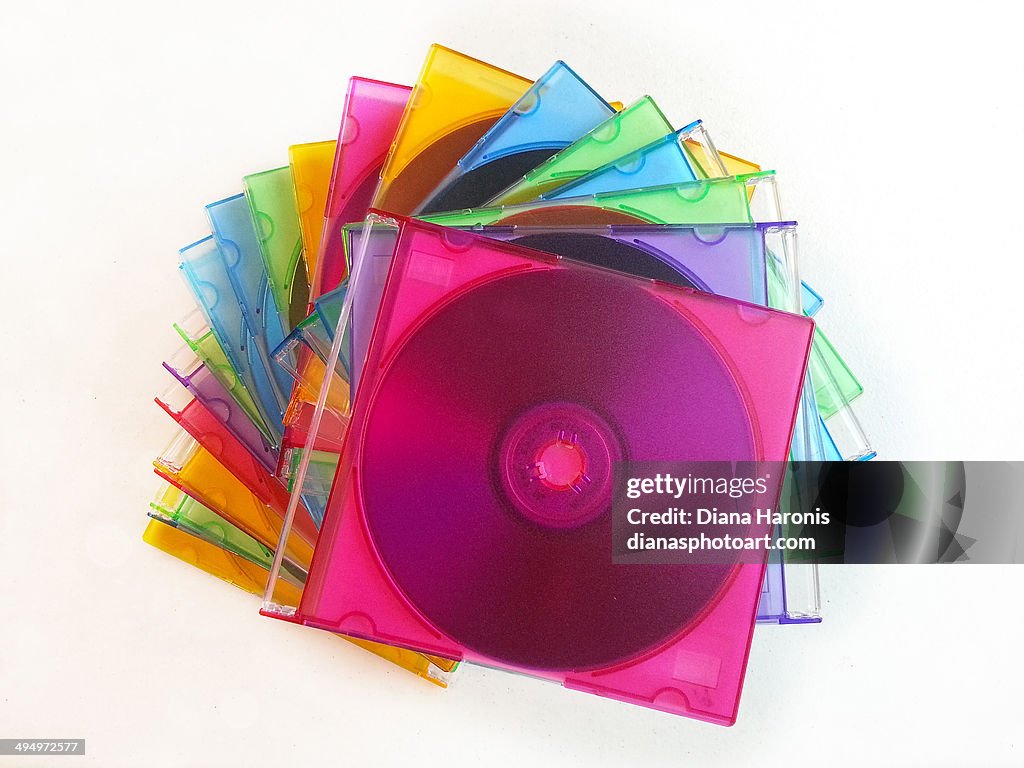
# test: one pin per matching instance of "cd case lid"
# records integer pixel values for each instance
(183, 543)
(456, 100)
(195, 377)
(457, 308)
(713, 201)
(556, 111)
(226, 565)
(271, 199)
(190, 467)
(371, 115)
(621, 134)
(665, 161)
(210, 433)
(311, 165)
(235, 234)
(173, 506)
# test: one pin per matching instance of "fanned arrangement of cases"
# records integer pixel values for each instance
(419, 349)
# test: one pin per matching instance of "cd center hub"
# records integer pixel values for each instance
(556, 464)
(562, 464)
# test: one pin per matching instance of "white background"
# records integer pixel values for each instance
(896, 134)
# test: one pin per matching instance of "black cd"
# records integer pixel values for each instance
(606, 252)
(474, 188)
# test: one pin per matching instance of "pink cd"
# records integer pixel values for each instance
(486, 477)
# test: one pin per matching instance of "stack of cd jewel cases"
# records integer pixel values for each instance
(418, 351)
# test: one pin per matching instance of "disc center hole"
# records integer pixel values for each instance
(561, 464)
